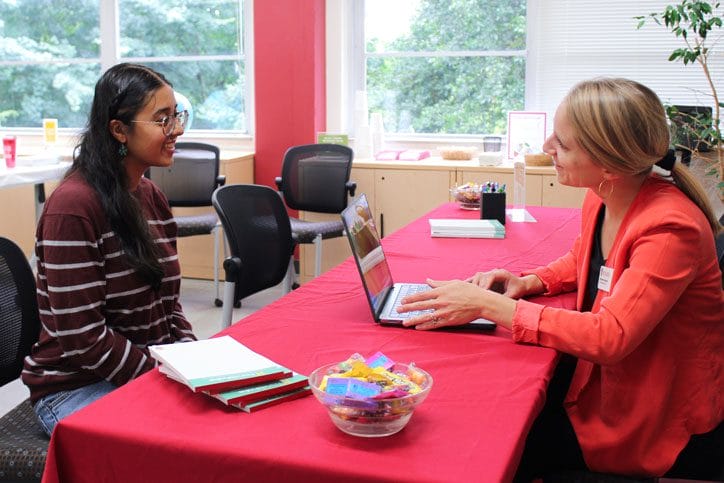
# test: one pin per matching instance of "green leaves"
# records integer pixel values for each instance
(460, 94)
(195, 44)
(688, 19)
(687, 55)
(693, 22)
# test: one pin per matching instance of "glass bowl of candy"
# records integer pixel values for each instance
(467, 195)
(370, 401)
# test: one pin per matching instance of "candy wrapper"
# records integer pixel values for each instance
(371, 378)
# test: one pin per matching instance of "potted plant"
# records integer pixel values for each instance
(696, 22)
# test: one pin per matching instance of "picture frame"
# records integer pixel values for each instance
(525, 128)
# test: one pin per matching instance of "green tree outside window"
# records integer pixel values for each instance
(462, 73)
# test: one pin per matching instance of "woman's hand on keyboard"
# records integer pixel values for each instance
(456, 302)
(502, 281)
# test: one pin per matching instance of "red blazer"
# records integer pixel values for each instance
(651, 351)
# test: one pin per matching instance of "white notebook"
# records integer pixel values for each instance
(465, 228)
(216, 364)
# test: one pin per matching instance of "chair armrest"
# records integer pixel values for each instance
(278, 181)
(221, 180)
(351, 187)
(232, 267)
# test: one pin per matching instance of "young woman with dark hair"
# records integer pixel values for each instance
(108, 272)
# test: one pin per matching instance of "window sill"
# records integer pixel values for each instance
(30, 140)
(433, 141)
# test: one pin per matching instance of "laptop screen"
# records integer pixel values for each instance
(367, 250)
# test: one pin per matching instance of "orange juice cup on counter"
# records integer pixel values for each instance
(50, 131)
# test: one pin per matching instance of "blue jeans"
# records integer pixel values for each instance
(54, 407)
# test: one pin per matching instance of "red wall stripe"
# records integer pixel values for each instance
(289, 52)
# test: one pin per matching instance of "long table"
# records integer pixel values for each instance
(487, 390)
(36, 175)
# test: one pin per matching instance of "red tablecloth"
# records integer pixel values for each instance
(486, 393)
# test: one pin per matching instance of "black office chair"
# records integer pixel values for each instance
(315, 177)
(688, 122)
(190, 182)
(23, 444)
(257, 228)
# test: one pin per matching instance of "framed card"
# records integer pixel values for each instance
(525, 129)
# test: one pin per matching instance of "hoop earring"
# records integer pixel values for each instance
(600, 188)
(123, 150)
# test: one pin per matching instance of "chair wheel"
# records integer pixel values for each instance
(295, 286)
(237, 304)
(218, 302)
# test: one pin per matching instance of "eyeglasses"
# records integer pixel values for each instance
(169, 123)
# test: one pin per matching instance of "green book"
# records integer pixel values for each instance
(274, 400)
(217, 364)
(466, 228)
(331, 138)
(264, 390)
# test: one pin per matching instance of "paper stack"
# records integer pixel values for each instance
(227, 370)
(465, 228)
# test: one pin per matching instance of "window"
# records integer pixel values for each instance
(458, 66)
(573, 40)
(442, 66)
(52, 53)
(49, 61)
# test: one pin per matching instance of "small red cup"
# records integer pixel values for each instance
(9, 145)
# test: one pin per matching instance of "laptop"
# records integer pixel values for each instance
(383, 294)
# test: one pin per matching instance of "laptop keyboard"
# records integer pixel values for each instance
(406, 290)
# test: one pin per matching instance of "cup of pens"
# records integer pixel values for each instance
(492, 202)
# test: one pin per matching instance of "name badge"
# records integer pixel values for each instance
(604, 279)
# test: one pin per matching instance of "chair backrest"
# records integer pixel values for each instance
(19, 317)
(315, 176)
(257, 227)
(192, 178)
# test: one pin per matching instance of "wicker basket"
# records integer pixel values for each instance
(456, 153)
(541, 159)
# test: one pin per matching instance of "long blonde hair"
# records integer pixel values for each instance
(622, 125)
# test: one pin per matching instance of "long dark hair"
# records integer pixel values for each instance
(120, 93)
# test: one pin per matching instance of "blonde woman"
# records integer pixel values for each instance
(648, 332)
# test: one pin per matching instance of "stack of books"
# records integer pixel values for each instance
(465, 228)
(227, 370)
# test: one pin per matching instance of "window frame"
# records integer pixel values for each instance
(347, 38)
(359, 56)
(109, 55)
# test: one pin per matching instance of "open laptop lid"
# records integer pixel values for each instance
(368, 255)
(372, 264)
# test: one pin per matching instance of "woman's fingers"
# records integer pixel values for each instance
(424, 321)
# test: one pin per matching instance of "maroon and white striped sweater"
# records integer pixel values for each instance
(98, 316)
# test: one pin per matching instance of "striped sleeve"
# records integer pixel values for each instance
(72, 293)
